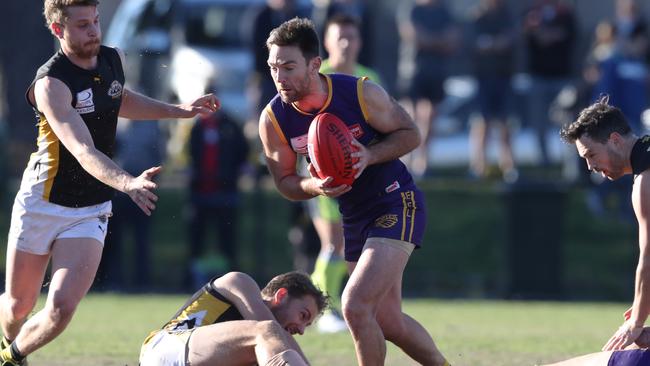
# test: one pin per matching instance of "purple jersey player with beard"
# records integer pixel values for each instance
(383, 211)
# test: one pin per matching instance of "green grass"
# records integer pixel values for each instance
(108, 330)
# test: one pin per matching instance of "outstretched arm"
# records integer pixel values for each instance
(54, 99)
(137, 106)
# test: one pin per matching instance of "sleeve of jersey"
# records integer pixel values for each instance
(362, 101)
(276, 123)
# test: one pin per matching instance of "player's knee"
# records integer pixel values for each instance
(355, 312)
(19, 308)
(62, 309)
(287, 358)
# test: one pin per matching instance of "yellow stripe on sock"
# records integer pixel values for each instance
(5, 355)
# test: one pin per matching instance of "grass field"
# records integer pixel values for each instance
(108, 330)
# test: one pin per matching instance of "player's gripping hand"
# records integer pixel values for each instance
(624, 336)
(322, 186)
(139, 189)
(206, 104)
(363, 156)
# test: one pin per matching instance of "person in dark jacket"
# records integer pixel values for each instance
(218, 150)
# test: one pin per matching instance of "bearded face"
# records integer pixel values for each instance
(81, 34)
(291, 72)
(87, 49)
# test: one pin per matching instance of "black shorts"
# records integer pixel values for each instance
(493, 93)
(427, 85)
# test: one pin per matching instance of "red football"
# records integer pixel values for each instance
(329, 142)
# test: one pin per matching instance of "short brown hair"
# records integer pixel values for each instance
(343, 19)
(56, 11)
(597, 122)
(298, 284)
(299, 32)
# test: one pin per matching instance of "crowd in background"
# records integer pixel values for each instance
(430, 39)
(559, 81)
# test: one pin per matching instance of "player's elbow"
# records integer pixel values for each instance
(82, 152)
(236, 276)
(287, 190)
(413, 138)
(417, 137)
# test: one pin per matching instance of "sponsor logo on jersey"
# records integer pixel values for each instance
(85, 102)
(386, 221)
(356, 130)
(392, 187)
(299, 144)
(115, 91)
(192, 321)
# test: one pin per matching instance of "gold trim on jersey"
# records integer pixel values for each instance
(408, 200)
(205, 309)
(362, 101)
(327, 102)
(51, 160)
(276, 124)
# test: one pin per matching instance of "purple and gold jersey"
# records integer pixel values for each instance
(346, 101)
(384, 201)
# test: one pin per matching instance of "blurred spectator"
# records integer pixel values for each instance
(493, 52)
(324, 10)
(573, 98)
(622, 73)
(343, 43)
(218, 151)
(263, 20)
(139, 147)
(429, 35)
(631, 30)
(549, 29)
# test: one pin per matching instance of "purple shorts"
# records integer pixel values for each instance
(635, 357)
(399, 215)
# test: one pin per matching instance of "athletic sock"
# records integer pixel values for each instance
(6, 342)
(329, 271)
(5, 355)
(334, 274)
(15, 353)
(318, 276)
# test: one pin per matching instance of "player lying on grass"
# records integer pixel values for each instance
(231, 322)
(636, 355)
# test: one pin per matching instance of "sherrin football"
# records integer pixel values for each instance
(329, 143)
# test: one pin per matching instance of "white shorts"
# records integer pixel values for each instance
(36, 223)
(165, 349)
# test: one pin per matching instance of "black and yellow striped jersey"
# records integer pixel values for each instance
(97, 97)
(640, 155)
(207, 306)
